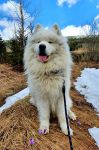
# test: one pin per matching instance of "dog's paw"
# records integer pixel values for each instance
(72, 115)
(64, 129)
(43, 130)
(32, 101)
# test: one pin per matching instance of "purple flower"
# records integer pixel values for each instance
(79, 123)
(32, 141)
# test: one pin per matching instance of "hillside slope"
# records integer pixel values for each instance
(19, 124)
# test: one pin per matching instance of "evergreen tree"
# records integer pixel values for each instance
(17, 52)
(2, 50)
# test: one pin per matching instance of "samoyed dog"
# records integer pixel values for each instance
(48, 63)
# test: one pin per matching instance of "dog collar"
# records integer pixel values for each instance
(56, 72)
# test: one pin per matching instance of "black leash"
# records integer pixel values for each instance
(66, 115)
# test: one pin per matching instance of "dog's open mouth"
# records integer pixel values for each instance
(43, 58)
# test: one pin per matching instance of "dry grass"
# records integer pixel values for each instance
(20, 123)
(85, 55)
(10, 81)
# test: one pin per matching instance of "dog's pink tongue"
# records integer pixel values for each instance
(43, 58)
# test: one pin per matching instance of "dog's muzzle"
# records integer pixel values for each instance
(42, 53)
(42, 49)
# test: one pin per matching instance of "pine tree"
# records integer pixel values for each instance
(2, 50)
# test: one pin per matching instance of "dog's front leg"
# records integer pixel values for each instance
(44, 116)
(68, 99)
(62, 118)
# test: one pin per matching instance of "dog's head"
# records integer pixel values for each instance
(46, 42)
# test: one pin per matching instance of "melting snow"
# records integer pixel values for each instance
(88, 85)
(94, 132)
(12, 99)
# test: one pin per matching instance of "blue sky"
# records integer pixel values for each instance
(71, 15)
(81, 13)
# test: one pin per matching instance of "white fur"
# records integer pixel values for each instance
(46, 88)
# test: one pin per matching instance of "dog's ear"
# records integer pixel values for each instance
(56, 29)
(37, 27)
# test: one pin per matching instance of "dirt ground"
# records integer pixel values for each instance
(19, 124)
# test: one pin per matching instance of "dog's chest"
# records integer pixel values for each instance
(53, 104)
(51, 85)
(52, 90)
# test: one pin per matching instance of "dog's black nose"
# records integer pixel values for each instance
(42, 50)
(42, 47)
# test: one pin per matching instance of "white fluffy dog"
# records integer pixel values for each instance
(48, 62)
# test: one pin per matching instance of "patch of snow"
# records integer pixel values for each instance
(94, 132)
(12, 99)
(88, 85)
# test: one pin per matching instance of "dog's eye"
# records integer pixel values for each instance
(38, 41)
(50, 42)
(33, 41)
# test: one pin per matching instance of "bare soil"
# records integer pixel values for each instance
(19, 124)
